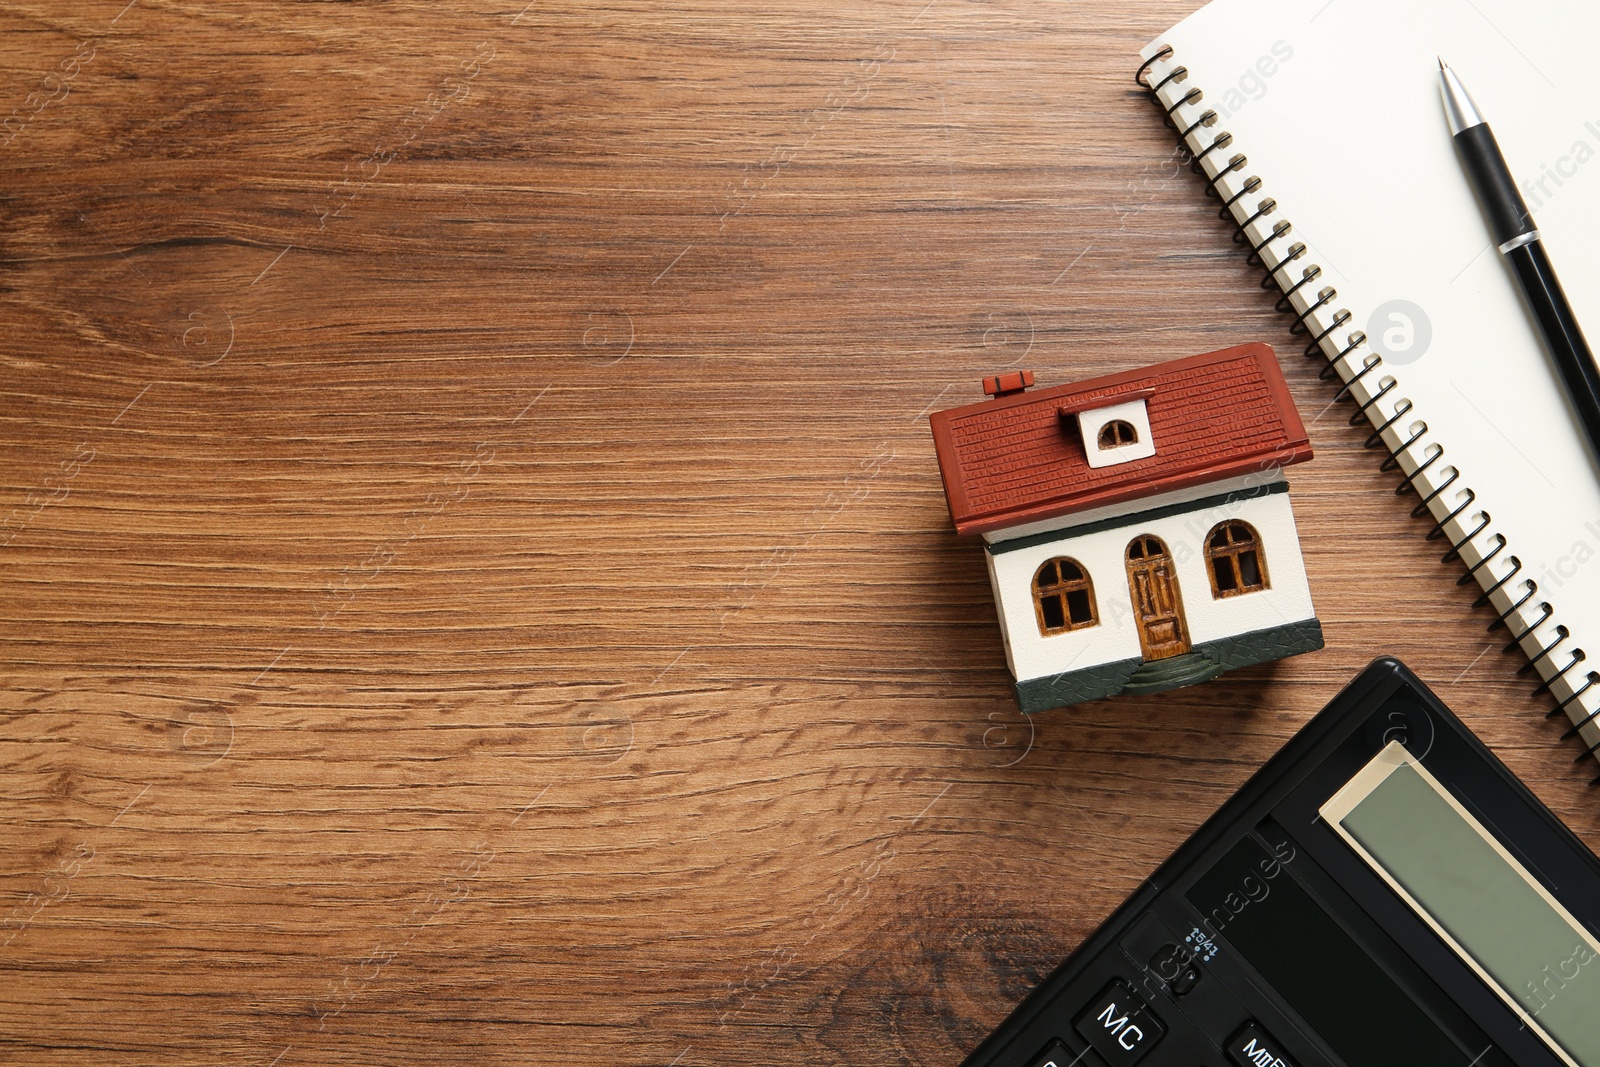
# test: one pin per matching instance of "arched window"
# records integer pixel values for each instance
(1146, 547)
(1063, 597)
(1117, 433)
(1237, 565)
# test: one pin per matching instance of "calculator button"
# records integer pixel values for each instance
(1059, 1055)
(1251, 1047)
(1120, 1027)
(1174, 965)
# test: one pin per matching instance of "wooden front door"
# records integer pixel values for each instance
(1156, 604)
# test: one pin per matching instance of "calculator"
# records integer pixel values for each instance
(1383, 893)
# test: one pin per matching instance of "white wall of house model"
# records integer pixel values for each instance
(1102, 553)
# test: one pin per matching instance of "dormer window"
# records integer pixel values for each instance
(1117, 433)
(1115, 430)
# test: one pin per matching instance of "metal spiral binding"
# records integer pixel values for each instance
(1235, 162)
(1294, 253)
(1206, 118)
(1331, 369)
(1314, 349)
(1402, 408)
(1578, 657)
(1391, 462)
(1533, 661)
(1561, 709)
(1594, 679)
(1285, 305)
(1425, 505)
(1221, 140)
(1500, 546)
(1279, 229)
(1516, 569)
(1408, 484)
(1433, 453)
(1251, 184)
(1364, 411)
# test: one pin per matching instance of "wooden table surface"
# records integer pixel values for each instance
(476, 583)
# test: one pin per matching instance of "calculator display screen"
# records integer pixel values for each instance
(1460, 880)
(1249, 901)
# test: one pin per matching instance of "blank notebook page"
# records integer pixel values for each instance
(1336, 105)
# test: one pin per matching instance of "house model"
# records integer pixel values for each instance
(1137, 526)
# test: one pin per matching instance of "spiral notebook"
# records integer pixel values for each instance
(1317, 126)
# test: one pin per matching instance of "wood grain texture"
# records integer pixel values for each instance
(476, 582)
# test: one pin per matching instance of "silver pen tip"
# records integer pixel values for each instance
(1459, 106)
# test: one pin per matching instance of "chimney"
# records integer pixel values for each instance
(1007, 384)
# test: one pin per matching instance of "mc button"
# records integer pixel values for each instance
(1119, 1026)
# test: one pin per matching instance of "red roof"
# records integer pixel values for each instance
(1016, 459)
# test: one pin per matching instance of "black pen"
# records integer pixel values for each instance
(1519, 242)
